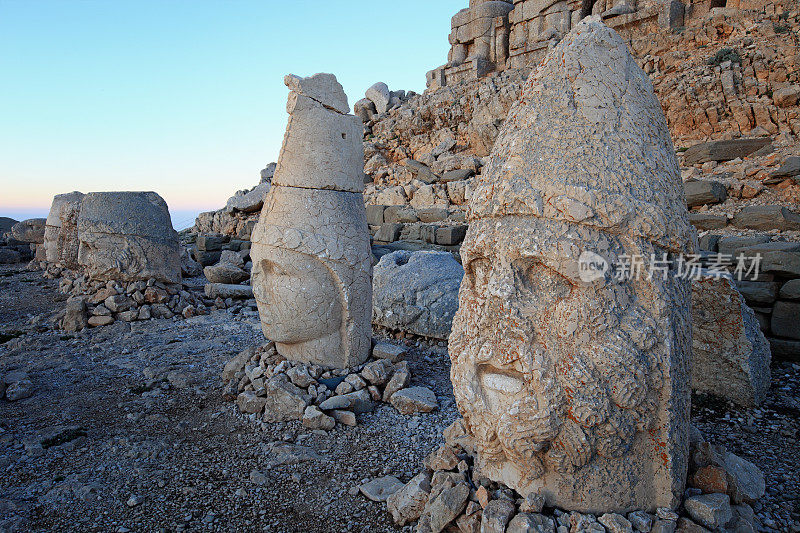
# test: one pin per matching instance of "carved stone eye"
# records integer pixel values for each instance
(537, 278)
(478, 272)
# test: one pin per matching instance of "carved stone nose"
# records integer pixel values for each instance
(501, 284)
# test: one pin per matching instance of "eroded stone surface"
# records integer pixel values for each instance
(61, 230)
(311, 257)
(578, 387)
(416, 292)
(127, 236)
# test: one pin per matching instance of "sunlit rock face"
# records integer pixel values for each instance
(572, 379)
(310, 249)
(127, 236)
(61, 229)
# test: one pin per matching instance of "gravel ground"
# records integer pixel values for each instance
(127, 431)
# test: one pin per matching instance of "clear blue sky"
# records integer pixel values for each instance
(185, 98)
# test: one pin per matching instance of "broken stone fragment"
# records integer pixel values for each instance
(379, 95)
(531, 523)
(407, 504)
(447, 506)
(248, 402)
(401, 378)
(417, 292)
(76, 315)
(385, 350)
(358, 402)
(225, 273)
(414, 400)
(442, 458)
(227, 290)
(496, 516)
(710, 510)
(377, 372)
(347, 418)
(313, 418)
(284, 401)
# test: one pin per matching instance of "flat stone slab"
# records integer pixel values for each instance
(723, 150)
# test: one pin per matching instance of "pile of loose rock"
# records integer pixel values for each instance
(226, 264)
(452, 493)
(100, 303)
(240, 214)
(265, 385)
(379, 99)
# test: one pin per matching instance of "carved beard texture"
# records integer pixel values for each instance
(591, 401)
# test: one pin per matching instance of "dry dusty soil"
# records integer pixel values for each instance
(127, 431)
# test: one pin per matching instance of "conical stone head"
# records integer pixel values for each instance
(574, 383)
(312, 275)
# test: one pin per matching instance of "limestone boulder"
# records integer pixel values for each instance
(128, 236)
(730, 355)
(407, 504)
(767, 217)
(379, 95)
(416, 292)
(284, 401)
(225, 273)
(704, 192)
(249, 201)
(365, 109)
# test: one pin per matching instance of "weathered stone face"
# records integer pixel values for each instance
(310, 249)
(280, 277)
(30, 230)
(127, 236)
(61, 229)
(575, 384)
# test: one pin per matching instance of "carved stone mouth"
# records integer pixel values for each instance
(499, 387)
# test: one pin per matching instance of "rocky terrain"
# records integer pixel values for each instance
(154, 402)
(127, 430)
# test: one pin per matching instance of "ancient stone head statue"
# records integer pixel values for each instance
(311, 258)
(575, 383)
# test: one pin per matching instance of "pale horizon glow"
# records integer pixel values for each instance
(183, 98)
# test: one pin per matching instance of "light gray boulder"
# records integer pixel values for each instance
(416, 292)
(364, 109)
(128, 236)
(380, 96)
(250, 201)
